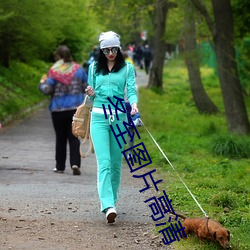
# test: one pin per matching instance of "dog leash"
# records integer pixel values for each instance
(175, 170)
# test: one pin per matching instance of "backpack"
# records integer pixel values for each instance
(81, 126)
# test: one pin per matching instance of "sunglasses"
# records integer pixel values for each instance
(106, 51)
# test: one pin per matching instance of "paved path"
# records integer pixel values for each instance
(141, 78)
(30, 192)
(26, 163)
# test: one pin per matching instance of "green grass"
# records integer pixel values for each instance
(19, 88)
(214, 164)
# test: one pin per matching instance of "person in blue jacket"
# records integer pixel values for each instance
(108, 76)
(65, 83)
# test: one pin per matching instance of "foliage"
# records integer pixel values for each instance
(19, 88)
(27, 33)
(243, 60)
(242, 37)
(220, 184)
(241, 17)
(175, 25)
(127, 17)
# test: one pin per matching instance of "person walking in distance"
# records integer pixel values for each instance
(147, 54)
(66, 83)
(108, 77)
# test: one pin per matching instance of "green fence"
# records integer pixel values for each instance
(208, 58)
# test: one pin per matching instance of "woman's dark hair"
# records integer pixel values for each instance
(102, 67)
(63, 52)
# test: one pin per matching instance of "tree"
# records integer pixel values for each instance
(159, 44)
(201, 99)
(127, 17)
(23, 33)
(28, 33)
(223, 38)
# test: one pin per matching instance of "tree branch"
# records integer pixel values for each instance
(172, 5)
(202, 9)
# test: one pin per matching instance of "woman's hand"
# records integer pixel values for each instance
(43, 79)
(134, 109)
(90, 91)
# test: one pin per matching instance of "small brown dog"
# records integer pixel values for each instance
(206, 229)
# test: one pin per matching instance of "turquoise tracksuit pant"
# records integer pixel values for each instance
(108, 156)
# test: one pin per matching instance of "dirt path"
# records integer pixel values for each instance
(43, 210)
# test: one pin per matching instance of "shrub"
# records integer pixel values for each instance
(224, 200)
(231, 146)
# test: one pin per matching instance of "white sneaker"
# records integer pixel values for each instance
(58, 171)
(111, 214)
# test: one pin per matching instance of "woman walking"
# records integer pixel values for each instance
(65, 84)
(109, 76)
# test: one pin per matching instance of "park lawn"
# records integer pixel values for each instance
(219, 183)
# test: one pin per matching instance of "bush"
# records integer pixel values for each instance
(224, 200)
(19, 88)
(231, 146)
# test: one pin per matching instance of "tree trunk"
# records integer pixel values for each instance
(201, 99)
(223, 38)
(159, 46)
(235, 109)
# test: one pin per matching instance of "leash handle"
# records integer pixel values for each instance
(174, 170)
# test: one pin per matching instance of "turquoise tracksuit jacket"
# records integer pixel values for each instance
(113, 84)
